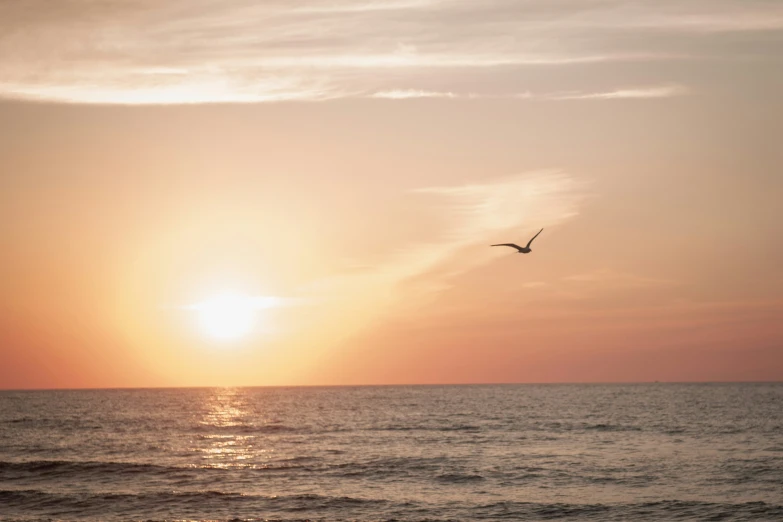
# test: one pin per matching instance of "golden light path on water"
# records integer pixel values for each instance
(226, 413)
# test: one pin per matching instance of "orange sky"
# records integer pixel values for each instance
(354, 161)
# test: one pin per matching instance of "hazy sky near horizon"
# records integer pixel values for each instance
(345, 165)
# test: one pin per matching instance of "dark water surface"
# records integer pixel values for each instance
(510, 452)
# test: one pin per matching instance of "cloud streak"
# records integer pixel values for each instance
(475, 213)
(242, 51)
(414, 274)
(406, 94)
(663, 91)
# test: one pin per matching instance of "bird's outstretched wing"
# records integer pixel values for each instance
(531, 239)
(512, 245)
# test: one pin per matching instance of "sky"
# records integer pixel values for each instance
(236, 192)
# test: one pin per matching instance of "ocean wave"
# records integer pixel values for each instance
(226, 505)
(392, 464)
(62, 468)
(51, 467)
(108, 504)
(420, 427)
(661, 510)
(609, 427)
(247, 429)
(459, 478)
(216, 505)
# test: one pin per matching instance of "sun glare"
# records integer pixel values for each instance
(227, 316)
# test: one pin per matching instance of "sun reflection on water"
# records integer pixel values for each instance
(225, 443)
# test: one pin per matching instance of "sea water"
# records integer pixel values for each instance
(406, 453)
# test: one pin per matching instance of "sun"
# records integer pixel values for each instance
(227, 316)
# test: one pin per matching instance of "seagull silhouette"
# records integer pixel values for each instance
(522, 250)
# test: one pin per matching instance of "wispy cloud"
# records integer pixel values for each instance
(404, 94)
(663, 91)
(367, 6)
(197, 51)
(474, 213)
(243, 51)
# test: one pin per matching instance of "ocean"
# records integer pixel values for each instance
(402, 453)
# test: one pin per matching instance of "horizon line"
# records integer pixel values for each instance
(392, 385)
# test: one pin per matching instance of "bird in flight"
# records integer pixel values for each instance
(522, 250)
